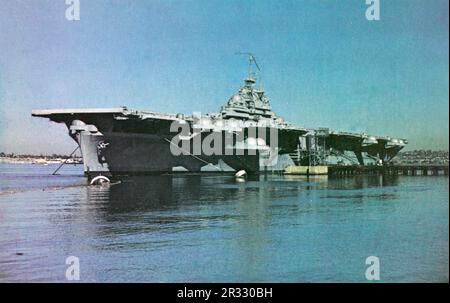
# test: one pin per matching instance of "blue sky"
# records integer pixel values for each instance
(324, 64)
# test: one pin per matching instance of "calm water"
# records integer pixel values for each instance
(214, 229)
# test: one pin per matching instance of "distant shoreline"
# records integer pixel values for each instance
(413, 157)
(39, 160)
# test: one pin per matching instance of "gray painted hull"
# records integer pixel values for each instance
(128, 153)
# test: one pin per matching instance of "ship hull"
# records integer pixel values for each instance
(115, 154)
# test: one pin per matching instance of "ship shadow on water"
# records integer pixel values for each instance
(168, 192)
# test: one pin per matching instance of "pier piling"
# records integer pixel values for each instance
(391, 170)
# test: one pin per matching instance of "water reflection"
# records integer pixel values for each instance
(190, 202)
(147, 193)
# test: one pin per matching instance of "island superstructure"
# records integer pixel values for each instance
(246, 135)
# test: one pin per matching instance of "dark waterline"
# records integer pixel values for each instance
(214, 228)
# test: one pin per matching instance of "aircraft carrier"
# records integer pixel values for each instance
(245, 135)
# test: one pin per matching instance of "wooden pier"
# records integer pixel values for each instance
(392, 170)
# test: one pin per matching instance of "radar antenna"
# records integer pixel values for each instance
(251, 61)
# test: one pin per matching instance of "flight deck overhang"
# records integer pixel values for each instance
(118, 113)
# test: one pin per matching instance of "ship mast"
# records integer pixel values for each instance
(251, 79)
